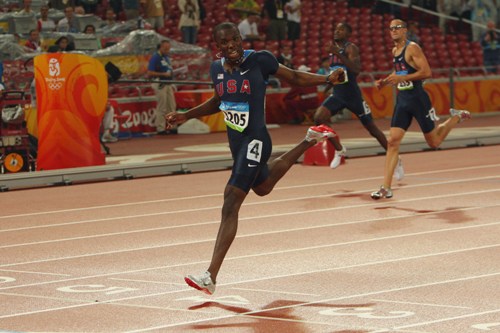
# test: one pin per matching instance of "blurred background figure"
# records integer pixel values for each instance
(67, 24)
(107, 124)
(301, 102)
(189, 22)
(292, 9)
(33, 42)
(131, 9)
(490, 42)
(274, 11)
(412, 34)
(160, 68)
(154, 13)
(285, 56)
(249, 28)
(62, 44)
(482, 11)
(45, 24)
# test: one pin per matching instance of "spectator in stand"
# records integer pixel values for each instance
(67, 24)
(27, 8)
(285, 56)
(116, 5)
(90, 30)
(160, 68)
(490, 41)
(45, 24)
(189, 22)
(249, 28)
(80, 10)
(274, 10)
(292, 9)
(90, 6)
(33, 42)
(109, 19)
(203, 11)
(450, 8)
(324, 66)
(153, 13)
(412, 34)
(301, 102)
(482, 11)
(62, 44)
(324, 69)
(245, 7)
(57, 4)
(131, 9)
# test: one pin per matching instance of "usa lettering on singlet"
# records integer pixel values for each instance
(402, 68)
(337, 63)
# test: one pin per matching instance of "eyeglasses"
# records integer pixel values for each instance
(396, 27)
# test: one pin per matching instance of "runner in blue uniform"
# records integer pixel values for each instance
(345, 55)
(413, 102)
(240, 79)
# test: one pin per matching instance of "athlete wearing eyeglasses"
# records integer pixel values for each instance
(410, 69)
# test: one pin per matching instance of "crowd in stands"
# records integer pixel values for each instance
(284, 27)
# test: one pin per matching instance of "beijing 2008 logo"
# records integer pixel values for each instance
(54, 83)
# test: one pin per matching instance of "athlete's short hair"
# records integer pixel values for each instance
(224, 26)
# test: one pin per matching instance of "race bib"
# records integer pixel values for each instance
(405, 85)
(346, 78)
(236, 115)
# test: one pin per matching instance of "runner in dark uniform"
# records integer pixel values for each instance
(410, 68)
(240, 80)
(345, 55)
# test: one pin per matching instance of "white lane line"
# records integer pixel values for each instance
(116, 301)
(449, 319)
(449, 229)
(423, 304)
(31, 272)
(322, 184)
(301, 304)
(284, 276)
(294, 213)
(267, 291)
(329, 195)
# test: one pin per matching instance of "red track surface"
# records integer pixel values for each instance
(316, 255)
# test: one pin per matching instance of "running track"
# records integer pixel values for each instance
(317, 255)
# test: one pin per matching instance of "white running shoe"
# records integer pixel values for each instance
(339, 157)
(107, 137)
(382, 193)
(203, 282)
(399, 172)
(319, 133)
(462, 114)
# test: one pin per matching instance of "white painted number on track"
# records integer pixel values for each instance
(487, 327)
(5, 279)
(367, 313)
(95, 288)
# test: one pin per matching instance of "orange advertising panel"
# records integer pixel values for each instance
(72, 92)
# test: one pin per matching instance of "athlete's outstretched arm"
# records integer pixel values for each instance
(206, 108)
(305, 79)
